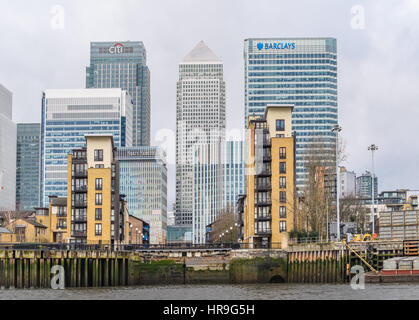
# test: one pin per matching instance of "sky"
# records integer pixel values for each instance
(45, 45)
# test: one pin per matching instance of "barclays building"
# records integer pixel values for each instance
(298, 71)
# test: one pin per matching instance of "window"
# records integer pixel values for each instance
(98, 183)
(98, 214)
(282, 167)
(282, 196)
(99, 166)
(280, 125)
(280, 135)
(282, 226)
(99, 155)
(282, 182)
(98, 198)
(282, 153)
(98, 229)
(282, 212)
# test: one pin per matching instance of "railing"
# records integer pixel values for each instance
(293, 241)
(79, 233)
(79, 218)
(135, 247)
(58, 227)
(62, 214)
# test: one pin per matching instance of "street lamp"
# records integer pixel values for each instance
(336, 128)
(373, 148)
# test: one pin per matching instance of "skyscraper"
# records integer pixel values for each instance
(124, 65)
(200, 118)
(301, 72)
(70, 114)
(218, 181)
(7, 152)
(143, 179)
(27, 165)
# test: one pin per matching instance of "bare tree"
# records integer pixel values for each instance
(317, 198)
(225, 227)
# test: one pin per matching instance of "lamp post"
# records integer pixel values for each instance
(373, 148)
(336, 128)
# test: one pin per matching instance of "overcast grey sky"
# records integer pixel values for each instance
(378, 62)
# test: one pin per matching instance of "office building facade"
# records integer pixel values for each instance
(143, 179)
(27, 165)
(200, 118)
(67, 116)
(124, 65)
(7, 152)
(301, 72)
(364, 185)
(218, 180)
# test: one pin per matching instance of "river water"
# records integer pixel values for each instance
(224, 292)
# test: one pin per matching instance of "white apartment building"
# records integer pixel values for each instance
(347, 183)
(7, 152)
(200, 118)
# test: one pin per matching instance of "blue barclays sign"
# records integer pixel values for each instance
(278, 46)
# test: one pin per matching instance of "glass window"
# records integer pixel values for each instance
(98, 214)
(280, 125)
(98, 183)
(99, 155)
(282, 167)
(98, 229)
(98, 198)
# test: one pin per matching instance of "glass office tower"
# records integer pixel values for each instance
(124, 65)
(70, 114)
(27, 165)
(298, 71)
(143, 179)
(219, 179)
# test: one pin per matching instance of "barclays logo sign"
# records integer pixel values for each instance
(277, 46)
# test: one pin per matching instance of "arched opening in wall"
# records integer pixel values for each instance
(277, 279)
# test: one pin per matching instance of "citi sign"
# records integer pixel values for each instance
(277, 46)
(117, 48)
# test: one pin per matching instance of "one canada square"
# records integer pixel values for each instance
(298, 71)
(200, 118)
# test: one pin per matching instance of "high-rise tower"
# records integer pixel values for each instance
(200, 118)
(124, 65)
(301, 72)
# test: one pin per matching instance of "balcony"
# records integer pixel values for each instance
(263, 218)
(79, 218)
(80, 189)
(263, 232)
(80, 174)
(262, 203)
(263, 187)
(265, 172)
(61, 214)
(61, 227)
(80, 203)
(79, 233)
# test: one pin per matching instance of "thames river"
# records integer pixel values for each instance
(224, 292)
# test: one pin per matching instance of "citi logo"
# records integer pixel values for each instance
(117, 48)
(278, 46)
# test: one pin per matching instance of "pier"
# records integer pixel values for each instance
(103, 267)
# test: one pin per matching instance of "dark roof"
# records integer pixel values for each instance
(56, 201)
(36, 224)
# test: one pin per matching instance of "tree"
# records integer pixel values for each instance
(225, 228)
(317, 199)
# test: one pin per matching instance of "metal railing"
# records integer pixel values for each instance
(136, 247)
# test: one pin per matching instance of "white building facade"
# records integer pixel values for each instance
(7, 152)
(219, 178)
(347, 183)
(67, 116)
(200, 119)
